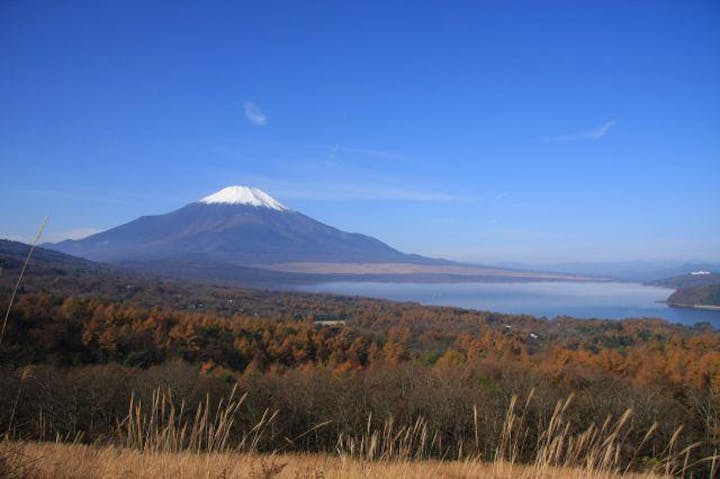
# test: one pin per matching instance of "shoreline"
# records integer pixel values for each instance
(704, 307)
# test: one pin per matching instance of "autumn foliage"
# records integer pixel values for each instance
(72, 363)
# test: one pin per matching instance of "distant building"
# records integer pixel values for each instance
(700, 273)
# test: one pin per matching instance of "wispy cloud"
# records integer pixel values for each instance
(309, 190)
(16, 237)
(333, 172)
(593, 134)
(397, 194)
(254, 148)
(53, 236)
(340, 150)
(74, 196)
(254, 114)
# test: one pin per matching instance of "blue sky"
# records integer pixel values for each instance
(486, 131)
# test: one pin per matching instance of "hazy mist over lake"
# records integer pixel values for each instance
(601, 300)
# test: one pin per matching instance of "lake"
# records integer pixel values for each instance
(603, 300)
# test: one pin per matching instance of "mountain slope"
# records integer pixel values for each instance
(241, 234)
(698, 278)
(237, 225)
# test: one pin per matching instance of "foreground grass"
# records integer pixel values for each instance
(160, 440)
(36, 460)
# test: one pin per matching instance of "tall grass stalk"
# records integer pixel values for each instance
(596, 450)
(392, 442)
(35, 241)
(164, 427)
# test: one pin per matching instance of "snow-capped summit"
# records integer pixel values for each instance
(244, 195)
(238, 226)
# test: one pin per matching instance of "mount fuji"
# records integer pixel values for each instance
(241, 234)
(237, 225)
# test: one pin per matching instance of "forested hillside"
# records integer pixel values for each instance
(704, 295)
(82, 339)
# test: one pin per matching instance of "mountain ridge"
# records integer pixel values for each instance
(236, 225)
(243, 233)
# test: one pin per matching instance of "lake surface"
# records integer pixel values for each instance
(603, 300)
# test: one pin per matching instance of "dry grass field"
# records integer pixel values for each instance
(56, 460)
(158, 442)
